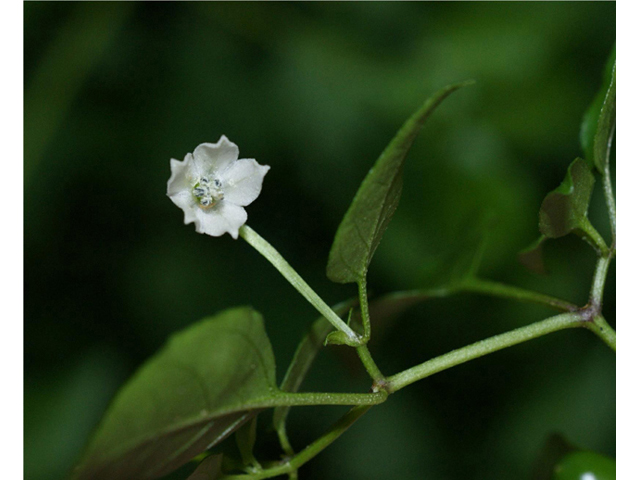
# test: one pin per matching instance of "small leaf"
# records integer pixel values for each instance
(246, 439)
(209, 469)
(585, 465)
(367, 218)
(531, 257)
(594, 113)
(203, 385)
(564, 210)
(339, 338)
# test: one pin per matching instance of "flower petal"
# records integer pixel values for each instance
(242, 181)
(181, 173)
(215, 157)
(187, 203)
(223, 218)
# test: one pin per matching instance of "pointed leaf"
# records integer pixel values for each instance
(204, 384)
(367, 218)
(564, 210)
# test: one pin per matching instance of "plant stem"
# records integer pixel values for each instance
(608, 193)
(497, 289)
(272, 255)
(481, 348)
(284, 440)
(364, 309)
(590, 235)
(309, 452)
(594, 320)
(321, 398)
(363, 351)
(601, 328)
(372, 369)
(599, 279)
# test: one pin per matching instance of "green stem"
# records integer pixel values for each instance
(312, 398)
(364, 309)
(363, 352)
(481, 348)
(311, 451)
(272, 255)
(590, 235)
(608, 193)
(599, 279)
(284, 441)
(497, 289)
(594, 320)
(602, 329)
(372, 369)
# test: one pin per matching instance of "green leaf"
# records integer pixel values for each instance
(582, 465)
(367, 218)
(209, 469)
(600, 112)
(531, 257)
(564, 210)
(303, 359)
(203, 385)
(246, 439)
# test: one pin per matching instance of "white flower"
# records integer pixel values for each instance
(212, 185)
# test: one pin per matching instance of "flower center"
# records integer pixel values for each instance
(208, 192)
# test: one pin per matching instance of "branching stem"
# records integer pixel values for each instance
(602, 329)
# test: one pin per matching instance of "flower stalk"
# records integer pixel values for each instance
(274, 257)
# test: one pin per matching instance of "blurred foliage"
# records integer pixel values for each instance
(316, 90)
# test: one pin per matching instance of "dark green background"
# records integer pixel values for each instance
(113, 91)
